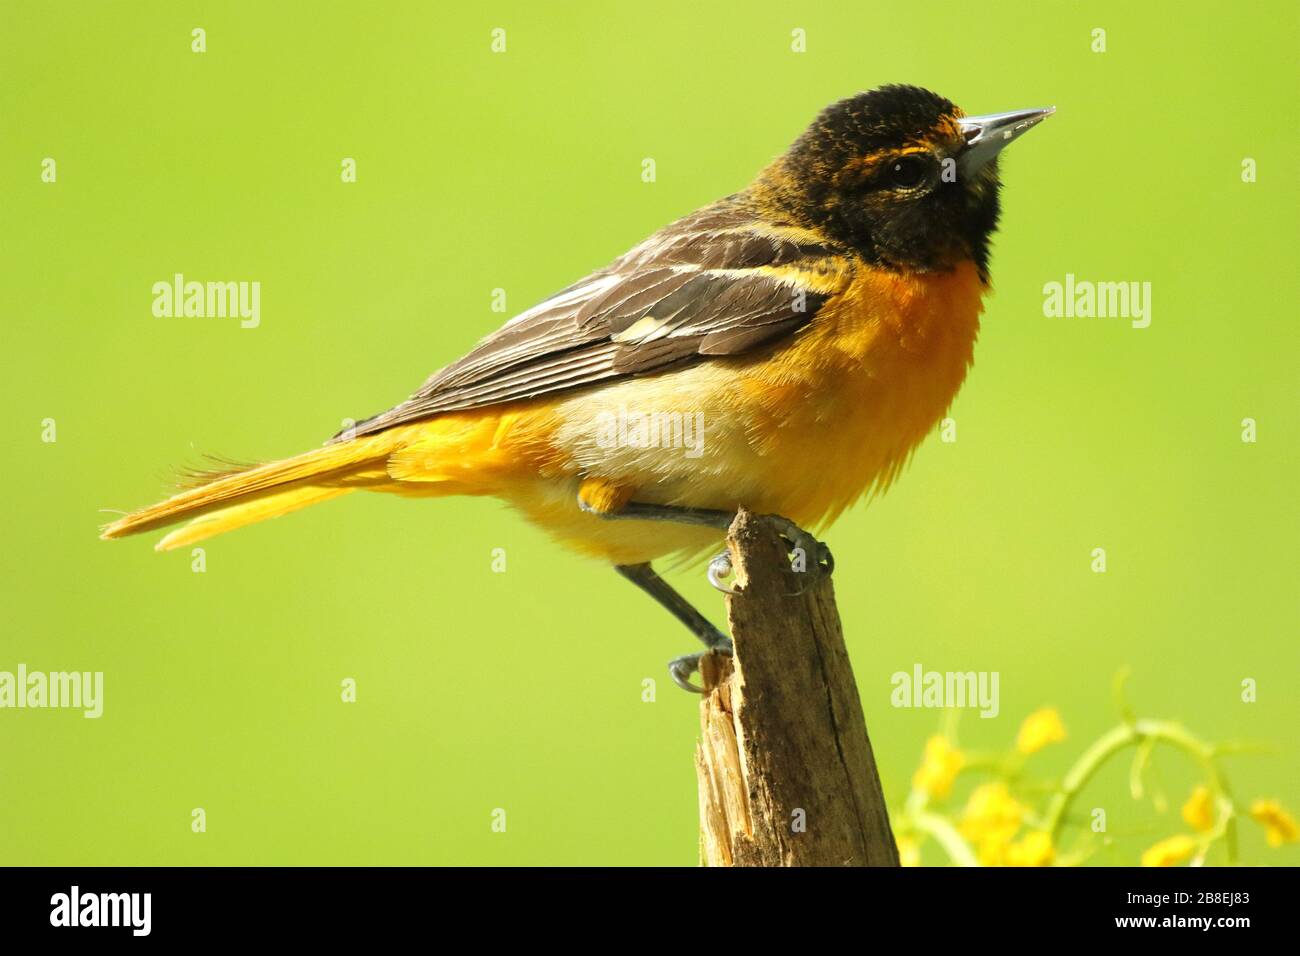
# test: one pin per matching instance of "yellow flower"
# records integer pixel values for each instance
(1040, 728)
(990, 820)
(1170, 852)
(938, 768)
(1279, 826)
(909, 852)
(1034, 850)
(1198, 811)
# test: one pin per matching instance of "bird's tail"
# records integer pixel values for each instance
(231, 500)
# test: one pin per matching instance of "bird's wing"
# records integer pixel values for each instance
(717, 283)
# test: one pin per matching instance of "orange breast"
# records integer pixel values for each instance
(839, 411)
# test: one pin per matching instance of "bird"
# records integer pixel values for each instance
(784, 350)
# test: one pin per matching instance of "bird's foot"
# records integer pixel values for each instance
(809, 558)
(681, 668)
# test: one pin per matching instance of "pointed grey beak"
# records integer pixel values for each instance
(986, 136)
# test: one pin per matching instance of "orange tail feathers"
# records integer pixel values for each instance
(263, 491)
(477, 453)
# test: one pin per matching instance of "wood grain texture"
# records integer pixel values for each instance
(786, 773)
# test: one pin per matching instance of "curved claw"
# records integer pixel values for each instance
(822, 560)
(681, 668)
(719, 568)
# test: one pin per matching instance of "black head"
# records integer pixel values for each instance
(901, 175)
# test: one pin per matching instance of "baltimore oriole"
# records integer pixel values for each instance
(816, 324)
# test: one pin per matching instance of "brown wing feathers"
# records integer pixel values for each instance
(694, 290)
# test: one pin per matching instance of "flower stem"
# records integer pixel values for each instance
(1134, 733)
(946, 835)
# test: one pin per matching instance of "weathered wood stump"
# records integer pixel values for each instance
(786, 772)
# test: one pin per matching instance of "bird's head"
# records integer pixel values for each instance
(901, 175)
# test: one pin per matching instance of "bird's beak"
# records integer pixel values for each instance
(986, 136)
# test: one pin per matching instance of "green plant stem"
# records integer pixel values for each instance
(1136, 733)
(946, 835)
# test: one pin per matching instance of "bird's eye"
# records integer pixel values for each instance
(906, 172)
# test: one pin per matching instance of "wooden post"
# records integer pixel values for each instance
(786, 773)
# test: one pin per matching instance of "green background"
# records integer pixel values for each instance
(521, 171)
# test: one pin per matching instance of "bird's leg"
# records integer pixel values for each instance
(641, 511)
(719, 566)
(681, 668)
(808, 556)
